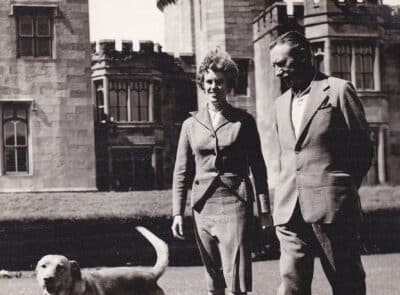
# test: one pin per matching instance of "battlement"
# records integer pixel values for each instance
(108, 46)
(277, 17)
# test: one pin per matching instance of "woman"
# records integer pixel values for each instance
(222, 143)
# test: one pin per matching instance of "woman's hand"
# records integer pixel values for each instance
(177, 227)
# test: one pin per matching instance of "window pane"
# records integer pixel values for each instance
(242, 81)
(10, 160)
(21, 113)
(26, 47)
(22, 159)
(43, 26)
(368, 63)
(123, 111)
(365, 66)
(157, 102)
(21, 133)
(9, 136)
(341, 61)
(144, 114)
(25, 25)
(134, 105)
(144, 99)
(114, 105)
(15, 133)
(368, 81)
(43, 47)
(100, 104)
(8, 112)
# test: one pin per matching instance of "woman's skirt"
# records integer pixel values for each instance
(223, 235)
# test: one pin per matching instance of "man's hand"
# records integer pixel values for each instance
(177, 227)
(266, 220)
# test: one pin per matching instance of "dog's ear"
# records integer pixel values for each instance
(75, 270)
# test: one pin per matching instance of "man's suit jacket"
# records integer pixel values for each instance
(323, 168)
(225, 153)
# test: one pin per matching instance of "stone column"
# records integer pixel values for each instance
(381, 154)
(327, 56)
(105, 96)
(353, 66)
(377, 68)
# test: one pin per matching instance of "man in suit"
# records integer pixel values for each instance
(325, 152)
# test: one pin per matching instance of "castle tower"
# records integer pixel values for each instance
(349, 39)
(217, 23)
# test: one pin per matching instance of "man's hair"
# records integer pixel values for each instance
(218, 61)
(298, 42)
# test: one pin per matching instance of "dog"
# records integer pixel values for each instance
(57, 275)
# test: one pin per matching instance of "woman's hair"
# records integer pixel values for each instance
(218, 61)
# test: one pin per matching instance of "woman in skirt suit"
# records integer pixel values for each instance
(222, 143)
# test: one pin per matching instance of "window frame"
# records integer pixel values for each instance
(35, 12)
(354, 66)
(27, 106)
(130, 86)
(243, 77)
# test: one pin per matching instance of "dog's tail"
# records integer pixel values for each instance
(161, 250)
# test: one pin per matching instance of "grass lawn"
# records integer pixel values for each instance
(383, 278)
(49, 206)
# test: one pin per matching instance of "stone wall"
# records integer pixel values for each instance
(390, 86)
(58, 91)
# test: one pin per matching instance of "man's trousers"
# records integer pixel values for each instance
(338, 247)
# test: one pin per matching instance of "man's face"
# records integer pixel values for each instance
(285, 65)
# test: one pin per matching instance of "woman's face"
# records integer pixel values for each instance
(215, 86)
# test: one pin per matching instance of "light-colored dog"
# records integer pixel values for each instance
(59, 276)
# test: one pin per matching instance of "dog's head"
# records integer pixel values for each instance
(56, 274)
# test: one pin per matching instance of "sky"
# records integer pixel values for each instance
(126, 20)
(132, 20)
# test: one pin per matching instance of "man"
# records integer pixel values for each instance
(325, 152)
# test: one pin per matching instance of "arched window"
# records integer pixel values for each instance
(15, 138)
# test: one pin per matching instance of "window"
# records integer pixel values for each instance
(34, 31)
(132, 169)
(99, 92)
(318, 56)
(341, 61)
(131, 101)
(157, 102)
(118, 96)
(15, 138)
(364, 66)
(355, 62)
(242, 81)
(140, 101)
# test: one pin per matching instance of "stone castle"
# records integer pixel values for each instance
(46, 110)
(76, 117)
(357, 40)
